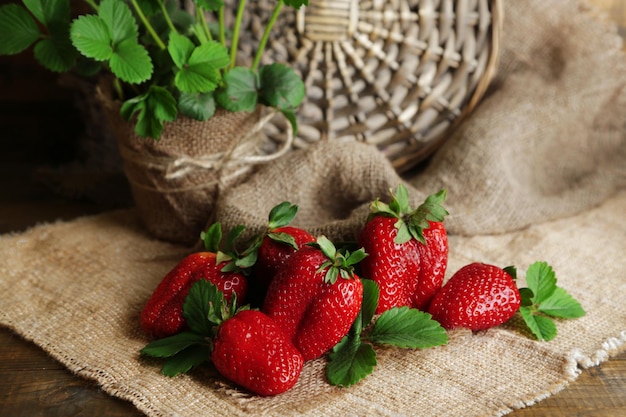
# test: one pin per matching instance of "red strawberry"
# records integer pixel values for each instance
(316, 297)
(433, 264)
(251, 351)
(396, 239)
(278, 245)
(477, 297)
(163, 313)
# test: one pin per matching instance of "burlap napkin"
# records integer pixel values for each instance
(536, 173)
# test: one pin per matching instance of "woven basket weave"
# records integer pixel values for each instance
(399, 74)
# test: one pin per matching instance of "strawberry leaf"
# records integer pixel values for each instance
(90, 35)
(198, 106)
(350, 360)
(200, 73)
(183, 361)
(203, 307)
(119, 19)
(561, 304)
(511, 270)
(285, 238)
(296, 3)
(400, 200)
(169, 346)
(130, 62)
(408, 328)
(353, 258)
(370, 300)
(327, 247)
(542, 327)
(541, 280)
(211, 5)
(280, 86)
(240, 90)
(281, 215)
(56, 53)
(152, 109)
(18, 30)
(212, 237)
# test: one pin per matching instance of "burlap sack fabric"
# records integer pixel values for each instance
(536, 173)
(175, 181)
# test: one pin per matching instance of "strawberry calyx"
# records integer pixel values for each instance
(226, 248)
(340, 263)
(204, 309)
(411, 222)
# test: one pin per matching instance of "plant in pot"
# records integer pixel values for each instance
(186, 109)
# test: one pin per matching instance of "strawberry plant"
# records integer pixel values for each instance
(164, 60)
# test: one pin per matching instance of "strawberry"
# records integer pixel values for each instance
(478, 296)
(162, 315)
(245, 346)
(433, 263)
(251, 351)
(316, 297)
(399, 240)
(280, 241)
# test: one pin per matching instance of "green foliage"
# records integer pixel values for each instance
(165, 58)
(354, 357)
(543, 299)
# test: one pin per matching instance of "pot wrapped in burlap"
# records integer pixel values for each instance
(176, 180)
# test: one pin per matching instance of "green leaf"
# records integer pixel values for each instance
(201, 73)
(296, 3)
(541, 280)
(403, 234)
(327, 247)
(240, 90)
(180, 48)
(152, 109)
(355, 257)
(119, 19)
(212, 237)
(282, 214)
(169, 346)
(400, 202)
(55, 55)
(183, 361)
(542, 327)
(18, 30)
(290, 115)
(370, 300)
(198, 106)
(130, 62)
(211, 5)
(285, 238)
(90, 35)
(408, 328)
(430, 210)
(350, 361)
(280, 86)
(50, 12)
(561, 304)
(526, 296)
(149, 7)
(203, 306)
(511, 270)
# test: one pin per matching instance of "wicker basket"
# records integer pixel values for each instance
(399, 74)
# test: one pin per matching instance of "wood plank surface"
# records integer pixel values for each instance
(39, 131)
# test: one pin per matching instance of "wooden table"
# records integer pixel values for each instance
(38, 133)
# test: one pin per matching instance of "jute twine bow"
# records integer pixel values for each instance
(236, 156)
